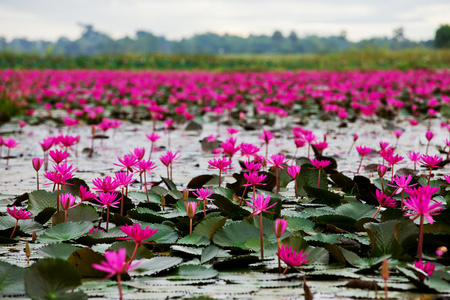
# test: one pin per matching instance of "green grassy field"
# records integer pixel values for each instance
(350, 60)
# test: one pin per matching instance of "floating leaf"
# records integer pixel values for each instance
(202, 180)
(323, 196)
(82, 212)
(142, 251)
(62, 251)
(235, 234)
(356, 210)
(192, 272)
(382, 238)
(65, 231)
(39, 200)
(52, 278)
(83, 258)
(194, 239)
(146, 215)
(300, 224)
(236, 262)
(156, 264)
(164, 235)
(142, 197)
(209, 226)
(209, 253)
(11, 279)
(169, 183)
(309, 176)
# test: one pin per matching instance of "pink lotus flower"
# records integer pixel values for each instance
(105, 185)
(431, 162)
(232, 131)
(252, 166)
(277, 160)
(220, 164)
(428, 268)
(254, 179)
(153, 137)
(137, 234)
(384, 201)
(363, 151)
(260, 204)
(10, 143)
(320, 164)
(168, 159)
(107, 200)
(248, 149)
(320, 146)
(229, 148)
(123, 179)
(115, 264)
(393, 160)
(20, 214)
(422, 207)
(85, 194)
(402, 183)
(266, 136)
(138, 153)
(414, 157)
(47, 143)
(58, 156)
(127, 163)
(67, 140)
(67, 201)
(58, 178)
(203, 194)
(291, 258)
(64, 168)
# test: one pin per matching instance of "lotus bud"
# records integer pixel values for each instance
(441, 250)
(280, 227)
(191, 208)
(381, 169)
(27, 252)
(37, 163)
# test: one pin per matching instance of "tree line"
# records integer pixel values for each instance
(93, 42)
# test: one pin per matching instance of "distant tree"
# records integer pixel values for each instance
(293, 37)
(277, 36)
(343, 35)
(442, 37)
(399, 34)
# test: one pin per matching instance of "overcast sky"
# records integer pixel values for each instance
(175, 19)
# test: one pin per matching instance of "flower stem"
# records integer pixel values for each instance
(401, 203)
(261, 231)
(37, 179)
(65, 216)
(145, 186)
(14, 230)
(295, 186)
(242, 198)
(119, 285)
(429, 176)
(420, 241)
(279, 260)
(57, 197)
(285, 270)
(376, 212)
(134, 253)
(220, 176)
(360, 164)
(107, 218)
(190, 226)
(121, 204)
(277, 174)
(318, 181)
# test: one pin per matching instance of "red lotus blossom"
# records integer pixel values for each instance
(67, 201)
(105, 185)
(393, 160)
(414, 157)
(168, 159)
(431, 162)
(232, 131)
(266, 136)
(291, 258)
(145, 166)
(293, 171)
(85, 194)
(137, 234)
(220, 164)
(58, 156)
(64, 168)
(229, 148)
(123, 179)
(422, 207)
(363, 151)
(383, 145)
(278, 160)
(10, 143)
(254, 179)
(428, 268)
(67, 140)
(128, 163)
(402, 183)
(320, 164)
(252, 166)
(116, 264)
(384, 201)
(248, 149)
(320, 146)
(260, 204)
(18, 214)
(58, 178)
(47, 143)
(138, 153)
(108, 199)
(202, 195)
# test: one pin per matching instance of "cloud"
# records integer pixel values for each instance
(175, 19)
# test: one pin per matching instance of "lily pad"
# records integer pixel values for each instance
(65, 231)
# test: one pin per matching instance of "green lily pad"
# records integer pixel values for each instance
(155, 265)
(11, 279)
(65, 231)
(62, 251)
(39, 200)
(52, 278)
(192, 272)
(235, 235)
(83, 258)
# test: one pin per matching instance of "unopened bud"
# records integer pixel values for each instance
(381, 169)
(27, 252)
(280, 227)
(385, 270)
(33, 236)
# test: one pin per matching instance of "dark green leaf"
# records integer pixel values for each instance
(65, 231)
(51, 278)
(192, 272)
(142, 251)
(83, 258)
(156, 264)
(62, 251)
(209, 253)
(11, 279)
(235, 234)
(356, 210)
(39, 200)
(382, 238)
